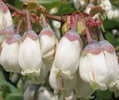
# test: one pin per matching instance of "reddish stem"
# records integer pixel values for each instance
(18, 26)
(57, 18)
(90, 1)
(88, 36)
(13, 8)
(29, 27)
(100, 35)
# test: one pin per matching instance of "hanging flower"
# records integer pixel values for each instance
(2, 38)
(44, 94)
(30, 57)
(42, 76)
(60, 84)
(111, 61)
(67, 54)
(9, 53)
(79, 3)
(88, 8)
(93, 68)
(8, 31)
(48, 42)
(106, 5)
(83, 89)
(29, 92)
(5, 17)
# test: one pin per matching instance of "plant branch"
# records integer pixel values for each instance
(13, 8)
(57, 18)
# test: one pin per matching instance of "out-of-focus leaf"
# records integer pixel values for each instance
(5, 90)
(104, 95)
(67, 8)
(14, 96)
(16, 20)
(11, 1)
(2, 78)
(47, 1)
(52, 5)
(95, 10)
(110, 37)
(108, 24)
(40, 1)
(12, 88)
(115, 2)
(32, 6)
(18, 4)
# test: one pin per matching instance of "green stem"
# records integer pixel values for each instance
(103, 29)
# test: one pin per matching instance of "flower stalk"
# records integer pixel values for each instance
(18, 26)
(29, 27)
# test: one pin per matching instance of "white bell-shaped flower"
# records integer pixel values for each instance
(30, 57)
(88, 8)
(115, 89)
(8, 31)
(93, 68)
(1, 21)
(42, 76)
(48, 42)
(60, 84)
(9, 54)
(106, 5)
(111, 61)
(67, 54)
(83, 89)
(44, 94)
(29, 92)
(2, 38)
(5, 17)
(79, 3)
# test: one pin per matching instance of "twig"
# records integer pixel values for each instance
(57, 18)
(13, 8)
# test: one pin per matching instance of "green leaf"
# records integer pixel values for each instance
(47, 1)
(115, 2)
(14, 96)
(104, 95)
(32, 6)
(40, 1)
(108, 24)
(16, 20)
(67, 8)
(110, 37)
(5, 90)
(95, 10)
(12, 88)
(18, 4)
(51, 5)
(2, 78)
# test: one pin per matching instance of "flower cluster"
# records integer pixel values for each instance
(68, 64)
